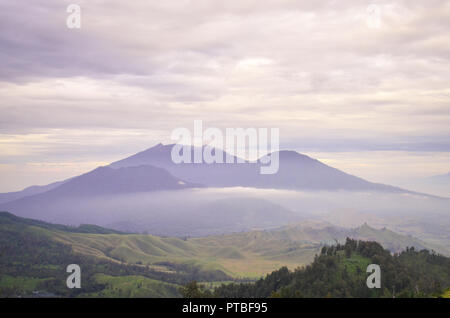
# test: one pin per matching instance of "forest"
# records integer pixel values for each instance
(340, 271)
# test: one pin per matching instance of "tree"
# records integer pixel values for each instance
(192, 290)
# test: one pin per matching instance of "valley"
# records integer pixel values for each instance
(137, 265)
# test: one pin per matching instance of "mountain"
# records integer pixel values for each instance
(323, 233)
(107, 180)
(121, 195)
(80, 199)
(101, 181)
(296, 171)
(36, 189)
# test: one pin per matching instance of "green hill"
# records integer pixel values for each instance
(340, 271)
(8, 218)
(34, 255)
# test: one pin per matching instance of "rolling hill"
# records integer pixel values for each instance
(248, 254)
(34, 254)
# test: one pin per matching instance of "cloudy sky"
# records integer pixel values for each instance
(361, 85)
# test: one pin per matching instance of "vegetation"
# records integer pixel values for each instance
(8, 218)
(340, 271)
(34, 256)
(446, 293)
(32, 260)
(133, 286)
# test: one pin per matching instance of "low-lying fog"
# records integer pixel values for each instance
(224, 210)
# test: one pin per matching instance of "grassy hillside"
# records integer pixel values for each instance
(340, 271)
(34, 254)
(35, 258)
(8, 218)
(133, 286)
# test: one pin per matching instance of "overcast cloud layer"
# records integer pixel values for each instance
(331, 75)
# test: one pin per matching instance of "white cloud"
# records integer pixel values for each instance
(312, 68)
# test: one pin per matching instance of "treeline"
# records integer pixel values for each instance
(340, 271)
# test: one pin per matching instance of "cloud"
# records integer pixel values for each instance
(315, 69)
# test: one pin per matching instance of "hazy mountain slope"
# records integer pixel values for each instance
(390, 240)
(426, 219)
(296, 171)
(328, 234)
(106, 180)
(68, 203)
(323, 234)
(170, 213)
(11, 196)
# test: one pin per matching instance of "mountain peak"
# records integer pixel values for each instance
(290, 154)
(159, 147)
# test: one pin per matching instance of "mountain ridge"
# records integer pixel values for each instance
(296, 171)
(158, 156)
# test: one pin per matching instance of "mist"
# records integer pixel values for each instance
(207, 211)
